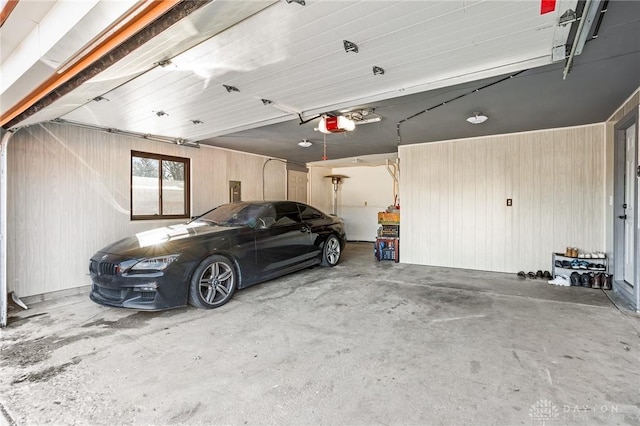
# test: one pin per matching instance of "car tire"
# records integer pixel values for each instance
(213, 283)
(331, 251)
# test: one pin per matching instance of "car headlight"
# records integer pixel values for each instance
(159, 263)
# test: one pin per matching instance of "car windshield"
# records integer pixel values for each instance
(234, 214)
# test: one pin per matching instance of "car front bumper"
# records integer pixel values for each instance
(153, 291)
(130, 297)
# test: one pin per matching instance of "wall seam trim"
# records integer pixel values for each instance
(475, 138)
(624, 103)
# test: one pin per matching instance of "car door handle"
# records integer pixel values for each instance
(623, 217)
(304, 229)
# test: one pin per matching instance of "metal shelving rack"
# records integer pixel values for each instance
(560, 256)
(388, 242)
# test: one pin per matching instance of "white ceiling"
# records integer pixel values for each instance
(39, 36)
(27, 18)
(293, 55)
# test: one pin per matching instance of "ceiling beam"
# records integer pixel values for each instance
(155, 17)
(6, 11)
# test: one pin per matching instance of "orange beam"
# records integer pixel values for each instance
(150, 13)
(6, 11)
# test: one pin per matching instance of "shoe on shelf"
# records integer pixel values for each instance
(575, 279)
(607, 281)
(561, 280)
(558, 264)
(585, 280)
(597, 281)
(522, 275)
(566, 264)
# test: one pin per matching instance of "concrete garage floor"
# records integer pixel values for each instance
(365, 342)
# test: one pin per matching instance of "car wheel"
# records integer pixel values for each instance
(213, 283)
(331, 251)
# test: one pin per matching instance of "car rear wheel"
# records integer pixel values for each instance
(213, 283)
(331, 251)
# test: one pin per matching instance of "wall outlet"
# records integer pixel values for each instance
(509, 202)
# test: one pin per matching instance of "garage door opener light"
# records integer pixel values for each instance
(339, 124)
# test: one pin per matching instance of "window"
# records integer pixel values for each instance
(287, 214)
(159, 186)
(309, 213)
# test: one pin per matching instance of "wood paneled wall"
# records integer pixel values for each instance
(69, 196)
(320, 189)
(453, 196)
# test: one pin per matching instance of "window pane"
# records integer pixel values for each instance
(309, 213)
(159, 186)
(173, 188)
(144, 183)
(286, 214)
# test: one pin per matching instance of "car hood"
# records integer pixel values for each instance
(157, 239)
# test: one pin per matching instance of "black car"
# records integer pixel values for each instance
(204, 261)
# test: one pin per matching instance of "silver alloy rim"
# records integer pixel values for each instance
(333, 251)
(216, 282)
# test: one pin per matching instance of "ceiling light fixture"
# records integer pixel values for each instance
(305, 143)
(477, 118)
(337, 124)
